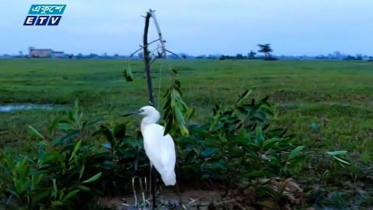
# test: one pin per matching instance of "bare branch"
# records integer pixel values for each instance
(174, 54)
(156, 58)
(141, 47)
(134, 53)
(147, 59)
(163, 47)
(150, 43)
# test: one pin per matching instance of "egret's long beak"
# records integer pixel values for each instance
(131, 113)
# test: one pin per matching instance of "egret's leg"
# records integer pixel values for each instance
(159, 187)
(134, 190)
(179, 195)
(152, 185)
(178, 189)
(133, 182)
(150, 179)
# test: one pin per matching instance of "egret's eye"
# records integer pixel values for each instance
(141, 110)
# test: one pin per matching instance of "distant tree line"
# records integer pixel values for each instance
(263, 48)
(356, 58)
(263, 53)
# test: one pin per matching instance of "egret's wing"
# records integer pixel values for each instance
(168, 153)
(151, 146)
(159, 149)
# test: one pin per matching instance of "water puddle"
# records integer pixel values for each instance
(24, 107)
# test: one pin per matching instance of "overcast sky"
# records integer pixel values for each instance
(195, 26)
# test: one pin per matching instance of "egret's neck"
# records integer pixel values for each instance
(150, 119)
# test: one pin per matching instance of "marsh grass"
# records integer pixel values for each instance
(334, 96)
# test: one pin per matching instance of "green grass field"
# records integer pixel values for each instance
(337, 96)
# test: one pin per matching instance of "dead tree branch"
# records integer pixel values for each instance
(141, 47)
(163, 47)
(147, 59)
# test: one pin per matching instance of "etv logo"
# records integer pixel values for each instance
(44, 14)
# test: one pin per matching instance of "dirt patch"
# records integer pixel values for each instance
(168, 199)
(211, 199)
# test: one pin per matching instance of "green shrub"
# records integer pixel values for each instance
(237, 147)
(69, 170)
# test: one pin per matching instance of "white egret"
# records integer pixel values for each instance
(159, 148)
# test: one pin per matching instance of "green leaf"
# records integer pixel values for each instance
(295, 152)
(177, 83)
(181, 121)
(75, 111)
(35, 133)
(124, 153)
(81, 172)
(336, 153)
(243, 96)
(93, 122)
(84, 188)
(62, 194)
(52, 128)
(179, 116)
(52, 157)
(38, 197)
(341, 160)
(298, 159)
(55, 188)
(64, 126)
(108, 135)
(10, 199)
(34, 181)
(18, 185)
(278, 132)
(173, 71)
(256, 174)
(57, 203)
(127, 73)
(176, 87)
(97, 132)
(76, 148)
(120, 131)
(168, 126)
(189, 155)
(216, 109)
(24, 172)
(259, 137)
(70, 195)
(190, 113)
(271, 143)
(221, 165)
(93, 178)
(208, 152)
(13, 193)
(167, 103)
(66, 138)
(184, 130)
(80, 117)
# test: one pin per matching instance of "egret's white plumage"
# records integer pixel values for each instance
(160, 149)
